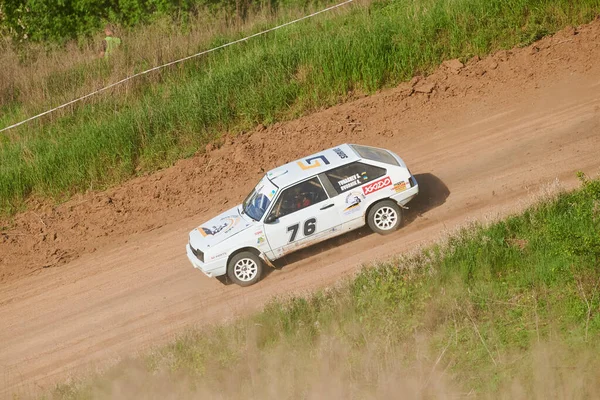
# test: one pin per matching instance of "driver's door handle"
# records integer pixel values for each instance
(327, 206)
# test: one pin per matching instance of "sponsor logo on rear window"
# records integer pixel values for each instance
(349, 182)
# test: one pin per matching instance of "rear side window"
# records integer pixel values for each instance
(374, 154)
(352, 175)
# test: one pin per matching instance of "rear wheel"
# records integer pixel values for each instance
(245, 268)
(385, 217)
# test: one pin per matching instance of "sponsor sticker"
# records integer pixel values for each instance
(400, 187)
(349, 182)
(312, 162)
(218, 256)
(225, 224)
(340, 153)
(258, 232)
(377, 185)
(353, 202)
(261, 240)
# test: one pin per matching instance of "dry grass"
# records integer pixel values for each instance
(36, 76)
(336, 368)
(332, 369)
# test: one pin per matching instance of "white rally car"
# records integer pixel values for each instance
(303, 203)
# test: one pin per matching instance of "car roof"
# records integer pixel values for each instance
(312, 165)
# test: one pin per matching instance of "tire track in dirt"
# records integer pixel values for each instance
(478, 153)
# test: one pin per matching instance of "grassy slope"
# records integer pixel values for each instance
(510, 310)
(280, 76)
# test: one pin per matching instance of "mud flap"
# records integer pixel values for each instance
(263, 257)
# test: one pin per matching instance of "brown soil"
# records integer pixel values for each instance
(105, 274)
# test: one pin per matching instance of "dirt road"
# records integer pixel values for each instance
(483, 140)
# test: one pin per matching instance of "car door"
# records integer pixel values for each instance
(301, 215)
(353, 184)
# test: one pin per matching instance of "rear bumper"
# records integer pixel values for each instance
(407, 195)
(211, 269)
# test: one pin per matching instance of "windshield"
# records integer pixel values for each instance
(259, 199)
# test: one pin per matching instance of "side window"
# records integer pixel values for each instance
(352, 175)
(299, 196)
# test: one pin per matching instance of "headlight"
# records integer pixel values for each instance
(199, 255)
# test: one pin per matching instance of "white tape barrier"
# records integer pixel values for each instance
(176, 62)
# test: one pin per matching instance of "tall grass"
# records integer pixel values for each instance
(505, 311)
(171, 115)
(36, 76)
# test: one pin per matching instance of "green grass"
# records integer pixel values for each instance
(276, 77)
(511, 310)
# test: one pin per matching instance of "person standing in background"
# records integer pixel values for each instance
(110, 42)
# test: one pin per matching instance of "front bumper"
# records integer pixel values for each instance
(210, 269)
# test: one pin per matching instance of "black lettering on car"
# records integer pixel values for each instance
(310, 227)
(340, 153)
(294, 230)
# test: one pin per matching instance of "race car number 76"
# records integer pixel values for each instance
(310, 226)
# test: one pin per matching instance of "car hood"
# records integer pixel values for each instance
(220, 228)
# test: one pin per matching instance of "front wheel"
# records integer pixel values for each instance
(245, 268)
(384, 217)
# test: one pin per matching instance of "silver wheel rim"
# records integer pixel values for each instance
(385, 218)
(245, 269)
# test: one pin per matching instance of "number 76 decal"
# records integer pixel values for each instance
(310, 226)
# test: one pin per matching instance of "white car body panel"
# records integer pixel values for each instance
(280, 233)
(212, 244)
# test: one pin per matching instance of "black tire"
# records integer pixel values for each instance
(385, 217)
(245, 268)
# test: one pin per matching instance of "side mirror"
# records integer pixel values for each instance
(270, 219)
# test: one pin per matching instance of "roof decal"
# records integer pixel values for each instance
(308, 163)
(312, 165)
